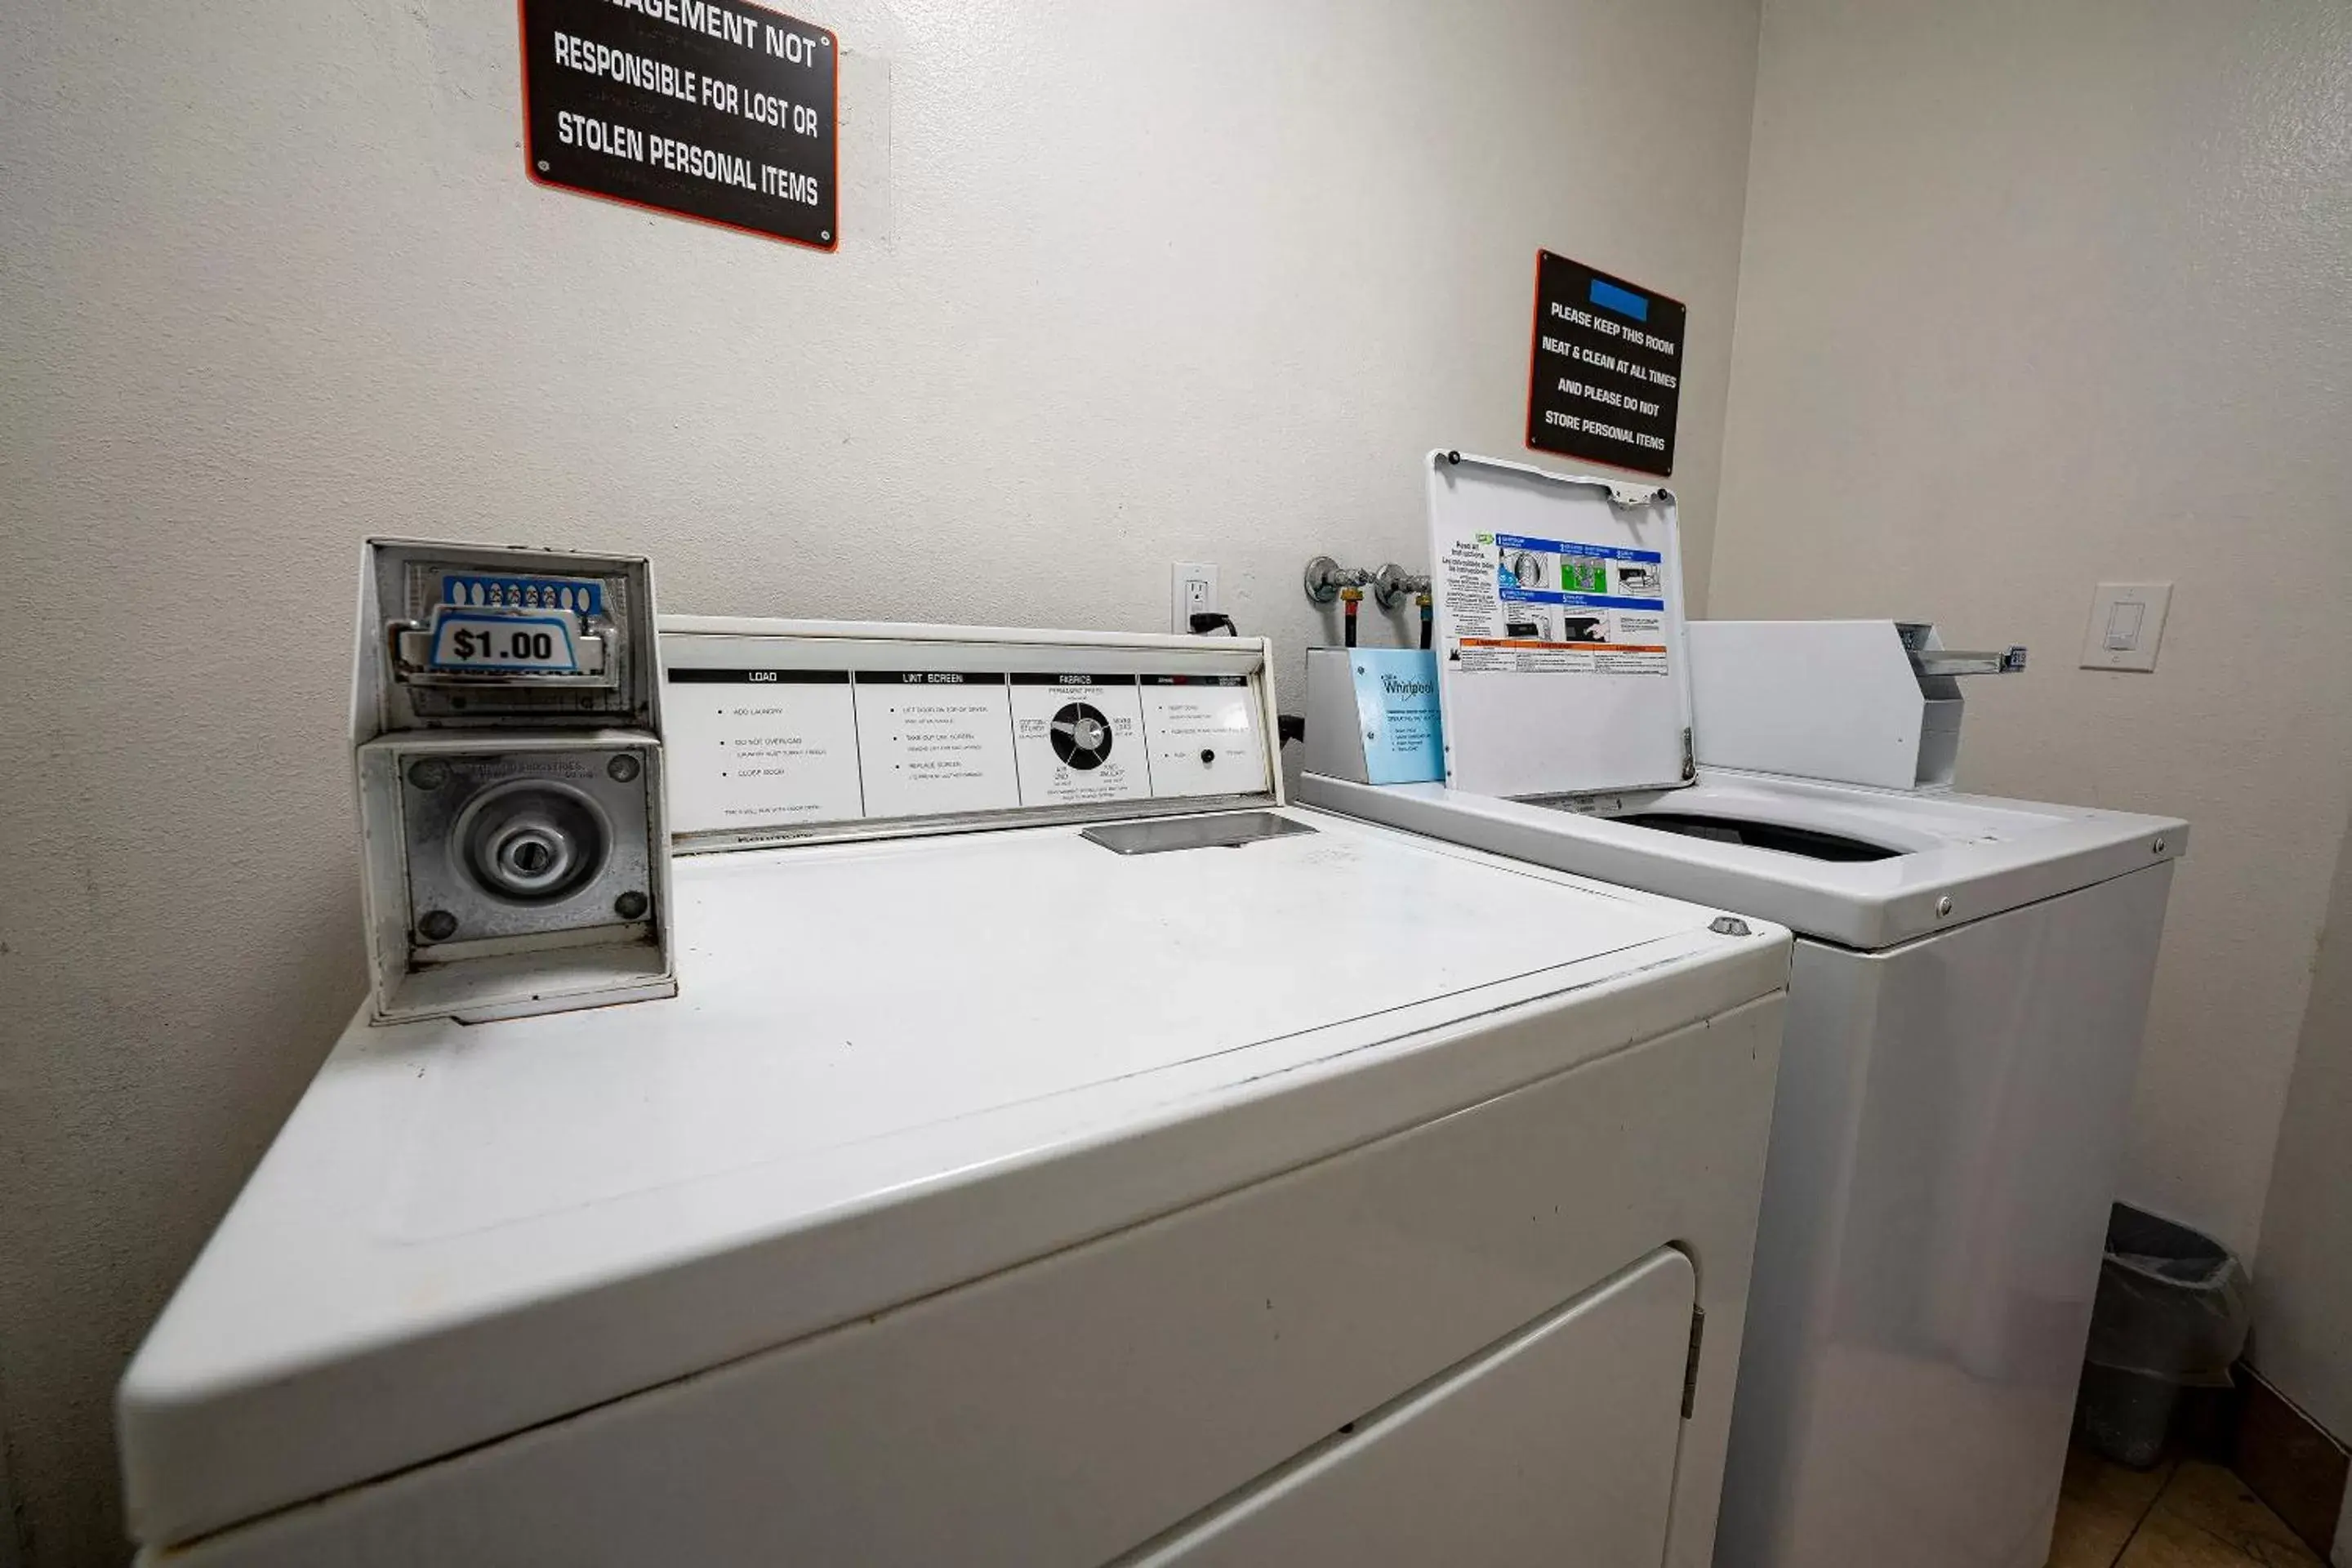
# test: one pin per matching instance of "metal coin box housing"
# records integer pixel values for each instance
(507, 744)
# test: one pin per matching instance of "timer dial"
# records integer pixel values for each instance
(1081, 735)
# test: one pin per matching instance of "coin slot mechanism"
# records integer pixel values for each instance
(507, 741)
(507, 630)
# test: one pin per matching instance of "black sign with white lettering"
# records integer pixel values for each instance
(1607, 370)
(758, 677)
(719, 109)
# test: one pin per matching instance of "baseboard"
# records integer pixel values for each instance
(2290, 1461)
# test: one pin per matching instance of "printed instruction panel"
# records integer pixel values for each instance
(761, 745)
(1545, 605)
(771, 748)
(933, 740)
(1203, 735)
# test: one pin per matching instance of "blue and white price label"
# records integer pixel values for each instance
(520, 641)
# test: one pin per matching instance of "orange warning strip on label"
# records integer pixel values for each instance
(1571, 646)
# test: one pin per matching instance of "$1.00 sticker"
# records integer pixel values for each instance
(479, 640)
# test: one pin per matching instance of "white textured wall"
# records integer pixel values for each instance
(2302, 1296)
(2034, 295)
(1121, 284)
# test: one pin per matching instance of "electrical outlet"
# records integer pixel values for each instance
(1192, 590)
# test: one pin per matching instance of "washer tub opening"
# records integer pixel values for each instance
(1811, 842)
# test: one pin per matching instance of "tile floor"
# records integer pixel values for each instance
(2184, 1514)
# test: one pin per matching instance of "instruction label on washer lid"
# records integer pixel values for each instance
(756, 748)
(1203, 735)
(1078, 737)
(1544, 605)
(934, 740)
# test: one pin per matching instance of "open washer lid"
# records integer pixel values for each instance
(1562, 655)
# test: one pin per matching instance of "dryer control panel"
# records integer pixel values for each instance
(783, 730)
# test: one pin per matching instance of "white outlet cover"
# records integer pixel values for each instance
(1192, 587)
(2127, 623)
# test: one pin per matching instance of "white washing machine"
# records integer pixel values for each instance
(1969, 985)
(1058, 1152)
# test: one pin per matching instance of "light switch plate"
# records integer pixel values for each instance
(2127, 623)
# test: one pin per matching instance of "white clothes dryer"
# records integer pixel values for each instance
(1059, 1150)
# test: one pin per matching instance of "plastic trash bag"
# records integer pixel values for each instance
(2169, 1321)
(2172, 1303)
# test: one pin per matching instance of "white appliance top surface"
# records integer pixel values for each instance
(1981, 854)
(892, 1067)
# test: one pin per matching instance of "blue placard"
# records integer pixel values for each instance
(1625, 301)
(1396, 708)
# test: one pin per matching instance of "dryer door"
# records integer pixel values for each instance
(1557, 1445)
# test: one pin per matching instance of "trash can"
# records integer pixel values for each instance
(2171, 1316)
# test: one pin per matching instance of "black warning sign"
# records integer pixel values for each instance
(1607, 368)
(719, 109)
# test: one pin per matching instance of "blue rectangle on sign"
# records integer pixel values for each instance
(1396, 707)
(1604, 368)
(1625, 301)
(1582, 601)
(1569, 547)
